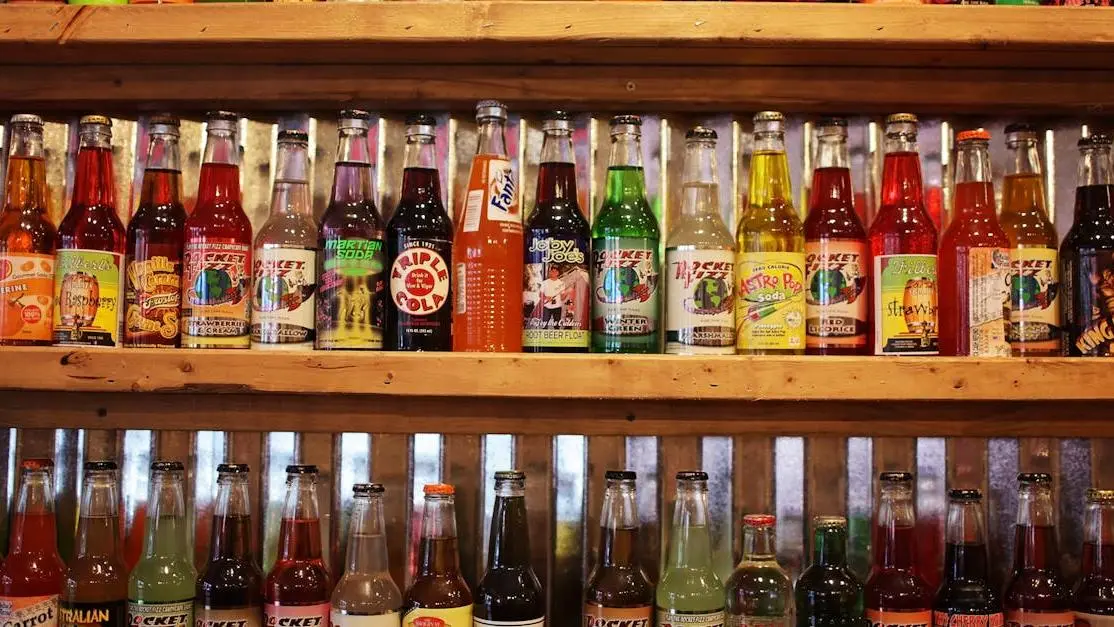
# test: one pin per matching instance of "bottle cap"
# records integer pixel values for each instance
(978, 134)
(365, 489)
(166, 466)
(301, 469)
(1097, 139)
(759, 520)
(1020, 127)
(510, 475)
(301, 137)
(692, 475)
(353, 118)
(225, 116)
(701, 133)
(769, 116)
(95, 119)
(557, 121)
(98, 465)
(895, 476)
(626, 119)
(832, 121)
(1034, 477)
(901, 118)
(620, 475)
(438, 489)
(27, 118)
(163, 124)
(960, 494)
(829, 522)
(420, 119)
(233, 469)
(34, 464)
(490, 109)
(1096, 494)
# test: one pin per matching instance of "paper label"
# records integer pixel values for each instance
(26, 297)
(104, 614)
(770, 306)
(483, 622)
(987, 299)
(905, 305)
(216, 278)
(741, 620)
(87, 294)
(387, 619)
(350, 294)
(473, 210)
(700, 301)
(836, 307)
(282, 307)
(39, 611)
(502, 192)
(1089, 314)
(667, 618)
(1030, 618)
(555, 292)
(892, 618)
(1034, 286)
(315, 615)
(625, 286)
(420, 289)
(178, 614)
(600, 616)
(1083, 619)
(153, 294)
(238, 617)
(945, 619)
(433, 617)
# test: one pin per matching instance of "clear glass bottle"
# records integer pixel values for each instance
(161, 588)
(95, 590)
(690, 592)
(366, 594)
(618, 588)
(759, 592)
(1037, 593)
(828, 594)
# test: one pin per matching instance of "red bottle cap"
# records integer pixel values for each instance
(443, 489)
(759, 520)
(978, 133)
(37, 463)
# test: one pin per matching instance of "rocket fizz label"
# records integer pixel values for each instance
(667, 618)
(742, 620)
(177, 614)
(1029, 618)
(947, 619)
(600, 616)
(419, 282)
(625, 286)
(1034, 288)
(987, 293)
(1083, 619)
(836, 307)
(239, 617)
(438, 617)
(350, 294)
(890, 618)
(216, 306)
(386, 619)
(315, 615)
(87, 297)
(1089, 308)
(700, 301)
(492, 193)
(26, 297)
(153, 295)
(282, 302)
(905, 305)
(556, 288)
(770, 304)
(104, 614)
(37, 611)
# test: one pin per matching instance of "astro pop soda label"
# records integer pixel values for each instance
(1035, 288)
(987, 293)
(350, 294)
(153, 294)
(700, 301)
(770, 304)
(87, 297)
(555, 292)
(946, 619)
(316, 615)
(890, 618)
(285, 281)
(600, 616)
(177, 614)
(216, 305)
(905, 305)
(26, 297)
(836, 306)
(625, 286)
(37, 611)
(438, 617)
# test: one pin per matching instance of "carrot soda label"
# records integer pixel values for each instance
(770, 305)
(1023, 618)
(438, 617)
(88, 296)
(889, 618)
(947, 619)
(217, 285)
(38, 611)
(987, 295)
(26, 297)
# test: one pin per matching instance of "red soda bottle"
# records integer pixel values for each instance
(298, 589)
(1036, 595)
(895, 595)
(31, 576)
(1094, 594)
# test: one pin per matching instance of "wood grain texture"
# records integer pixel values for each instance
(825, 478)
(753, 490)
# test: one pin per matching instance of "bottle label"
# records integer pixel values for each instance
(555, 292)
(1089, 315)
(1034, 298)
(316, 615)
(217, 282)
(700, 301)
(770, 309)
(387, 619)
(987, 294)
(1030, 618)
(947, 619)
(104, 614)
(178, 614)
(239, 617)
(893, 618)
(905, 305)
(282, 304)
(625, 286)
(836, 307)
(350, 294)
(87, 294)
(600, 616)
(26, 296)
(667, 618)
(1083, 619)
(483, 622)
(40, 611)
(742, 620)
(492, 193)
(153, 294)
(435, 617)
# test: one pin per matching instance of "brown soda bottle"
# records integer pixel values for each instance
(509, 594)
(438, 597)
(27, 241)
(618, 591)
(298, 590)
(216, 308)
(965, 598)
(88, 270)
(895, 594)
(1093, 598)
(31, 575)
(1037, 594)
(156, 237)
(229, 590)
(95, 590)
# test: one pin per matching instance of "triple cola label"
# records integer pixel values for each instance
(350, 294)
(238, 617)
(700, 301)
(836, 307)
(1089, 307)
(87, 297)
(894, 618)
(386, 619)
(285, 281)
(438, 617)
(1030, 618)
(600, 616)
(420, 291)
(668, 618)
(556, 289)
(26, 297)
(1034, 288)
(905, 305)
(315, 615)
(987, 279)
(153, 296)
(948, 619)
(625, 292)
(216, 278)
(178, 614)
(770, 305)
(37, 611)
(105, 614)
(483, 622)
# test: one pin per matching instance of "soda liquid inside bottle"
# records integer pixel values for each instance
(95, 589)
(365, 595)
(895, 593)
(509, 592)
(438, 594)
(828, 594)
(1093, 599)
(759, 591)
(229, 591)
(1036, 593)
(31, 575)
(690, 591)
(965, 596)
(298, 589)
(618, 588)
(162, 584)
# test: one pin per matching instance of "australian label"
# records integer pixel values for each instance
(431, 617)
(891, 618)
(947, 619)
(625, 286)
(420, 293)
(836, 308)
(285, 281)
(555, 292)
(87, 297)
(483, 622)
(987, 294)
(386, 619)
(742, 620)
(350, 292)
(699, 301)
(26, 297)
(178, 614)
(38, 611)
(770, 304)
(1089, 318)
(1034, 288)
(667, 618)
(600, 616)
(1083, 619)
(1028, 618)
(153, 295)
(315, 615)
(905, 305)
(238, 617)
(216, 280)
(107, 614)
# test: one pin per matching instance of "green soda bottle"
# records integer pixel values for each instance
(161, 587)
(759, 592)
(690, 593)
(626, 316)
(828, 594)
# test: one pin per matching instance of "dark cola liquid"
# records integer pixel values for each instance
(510, 590)
(1036, 583)
(231, 579)
(965, 592)
(618, 580)
(438, 583)
(1094, 594)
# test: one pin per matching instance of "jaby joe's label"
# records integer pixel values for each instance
(216, 279)
(1083, 619)
(350, 292)
(836, 307)
(87, 296)
(1029, 618)
(492, 193)
(386, 619)
(316, 615)
(38, 611)
(700, 301)
(905, 305)
(177, 614)
(1034, 287)
(106, 614)
(893, 618)
(435, 617)
(988, 272)
(282, 314)
(625, 286)
(239, 617)
(770, 303)
(947, 619)
(26, 297)
(153, 294)
(556, 289)
(483, 622)
(600, 616)
(667, 618)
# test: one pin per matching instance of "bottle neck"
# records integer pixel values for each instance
(1035, 542)
(965, 557)
(691, 544)
(290, 195)
(973, 188)
(619, 536)
(1023, 188)
(420, 180)
(491, 138)
(166, 518)
(1094, 166)
(557, 173)
(769, 173)
(367, 540)
(901, 179)
(1024, 157)
(509, 545)
(352, 179)
(94, 183)
(34, 527)
(759, 543)
(220, 169)
(162, 176)
(700, 183)
(1098, 538)
(437, 553)
(26, 181)
(231, 538)
(831, 150)
(300, 535)
(894, 528)
(829, 547)
(98, 527)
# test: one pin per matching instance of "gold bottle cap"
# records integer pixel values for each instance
(96, 119)
(27, 118)
(901, 118)
(1096, 494)
(769, 116)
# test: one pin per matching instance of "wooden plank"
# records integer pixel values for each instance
(967, 465)
(899, 454)
(35, 443)
(825, 478)
(391, 466)
(534, 456)
(753, 488)
(463, 467)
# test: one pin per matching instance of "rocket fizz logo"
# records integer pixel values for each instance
(835, 306)
(1034, 294)
(219, 278)
(627, 275)
(419, 281)
(834, 278)
(283, 284)
(707, 285)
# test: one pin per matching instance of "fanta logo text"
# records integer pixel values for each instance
(294, 621)
(557, 250)
(691, 271)
(502, 191)
(161, 621)
(601, 621)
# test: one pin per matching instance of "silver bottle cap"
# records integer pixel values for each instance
(490, 109)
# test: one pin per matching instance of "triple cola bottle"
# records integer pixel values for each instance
(95, 590)
(690, 592)
(298, 588)
(162, 584)
(965, 597)
(438, 596)
(366, 596)
(509, 593)
(828, 594)
(759, 592)
(31, 575)
(1094, 593)
(896, 595)
(618, 591)
(230, 587)
(1037, 593)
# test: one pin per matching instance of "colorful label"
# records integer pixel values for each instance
(987, 299)
(153, 294)
(555, 292)
(285, 281)
(600, 616)
(26, 297)
(40, 611)
(431, 617)
(492, 193)
(891, 618)
(946, 619)
(1083, 619)
(667, 618)
(107, 614)
(316, 615)
(742, 620)
(1029, 618)
(87, 296)
(216, 309)
(1089, 314)
(387, 619)
(700, 301)
(770, 306)
(483, 622)
(836, 307)
(625, 286)
(178, 614)
(350, 294)
(1034, 287)
(239, 617)
(905, 305)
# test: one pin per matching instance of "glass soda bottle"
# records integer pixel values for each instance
(229, 591)
(350, 284)
(365, 595)
(509, 592)
(895, 594)
(828, 594)
(837, 272)
(216, 310)
(487, 250)
(759, 592)
(556, 284)
(420, 250)
(156, 237)
(1037, 594)
(285, 270)
(1087, 255)
(700, 260)
(438, 595)
(95, 589)
(27, 241)
(31, 575)
(88, 270)
(618, 591)
(1093, 598)
(903, 251)
(965, 598)
(625, 242)
(297, 591)
(1034, 280)
(974, 259)
(161, 588)
(690, 592)
(770, 308)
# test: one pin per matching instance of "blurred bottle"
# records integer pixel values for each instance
(365, 595)
(759, 592)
